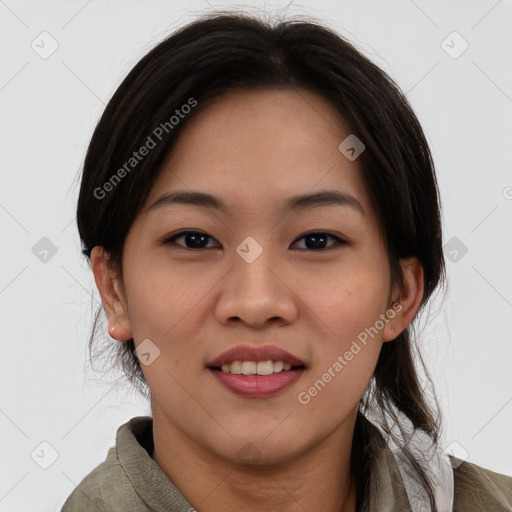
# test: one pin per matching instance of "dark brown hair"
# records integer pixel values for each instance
(223, 51)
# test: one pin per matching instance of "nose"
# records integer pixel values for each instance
(256, 293)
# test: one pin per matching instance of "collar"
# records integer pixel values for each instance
(134, 443)
(400, 475)
(392, 486)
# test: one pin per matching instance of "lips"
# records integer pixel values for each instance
(257, 354)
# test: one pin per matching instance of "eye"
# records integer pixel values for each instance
(195, 240)
(317, 239)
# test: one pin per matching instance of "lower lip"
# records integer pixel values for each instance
(258, 386)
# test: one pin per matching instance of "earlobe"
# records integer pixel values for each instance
(107, 282)
(406, 305)
(118, 332)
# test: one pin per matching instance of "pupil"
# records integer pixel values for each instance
(317, 241)
(196, 239)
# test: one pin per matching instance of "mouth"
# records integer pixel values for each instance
(255, 360)
(248, 384)
(256, 371)
(256, 368)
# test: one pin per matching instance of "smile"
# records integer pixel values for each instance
(252, 385)
(256, 367)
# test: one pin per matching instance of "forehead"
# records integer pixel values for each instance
(258, 147)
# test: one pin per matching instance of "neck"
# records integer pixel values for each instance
(315, 480)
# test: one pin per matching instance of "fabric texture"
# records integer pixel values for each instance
(437, 464)
(129, 480)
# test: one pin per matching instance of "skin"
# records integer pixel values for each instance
(254, 149)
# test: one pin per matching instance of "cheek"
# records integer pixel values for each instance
(348, 347)
(166, 306)
(348, 300)
(337, 387)
(347, 310)
(160, 297)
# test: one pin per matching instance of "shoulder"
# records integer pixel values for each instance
(480, 489)
(106, 487)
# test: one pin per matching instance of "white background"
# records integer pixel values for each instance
(49, 108)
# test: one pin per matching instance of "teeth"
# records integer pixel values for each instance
(236, 367)
(255, 368)
(249, 368)
(278, 366)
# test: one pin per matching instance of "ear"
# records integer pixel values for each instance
(114, 302)
(407, 300)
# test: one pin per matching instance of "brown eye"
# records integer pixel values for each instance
(316, 240)
(196, 240)
(193, 239)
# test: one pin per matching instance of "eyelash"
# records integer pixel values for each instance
(171, 240)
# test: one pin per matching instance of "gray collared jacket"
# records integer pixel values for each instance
(129, 480)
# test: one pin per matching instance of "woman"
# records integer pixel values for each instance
(261, 212)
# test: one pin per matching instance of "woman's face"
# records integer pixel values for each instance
(262, 274)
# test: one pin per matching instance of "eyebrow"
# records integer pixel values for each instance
(293, 203)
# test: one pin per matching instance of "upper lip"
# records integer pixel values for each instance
(250, 353)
